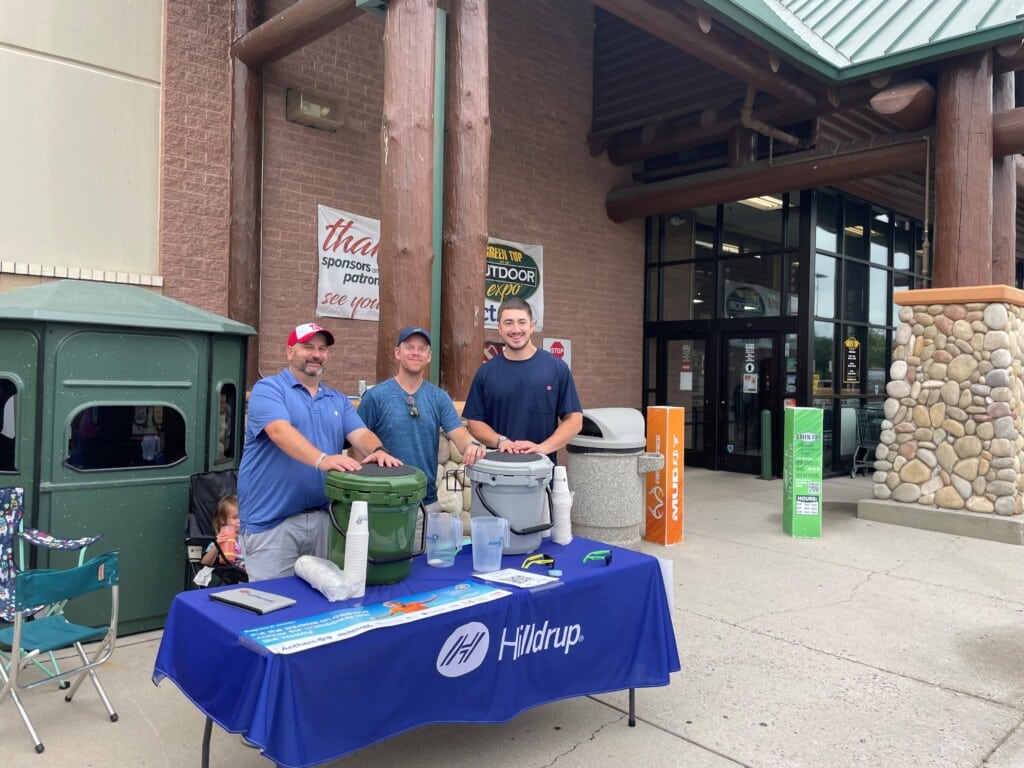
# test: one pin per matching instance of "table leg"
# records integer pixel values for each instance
(207, 729)
(632, 709)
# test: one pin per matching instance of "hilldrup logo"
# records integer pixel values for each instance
(464, 650)
(529, 638)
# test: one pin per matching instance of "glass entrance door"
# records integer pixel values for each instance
(687, 383)
(749, 383)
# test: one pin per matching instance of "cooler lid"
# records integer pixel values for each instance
(373, 478)
(511, 464)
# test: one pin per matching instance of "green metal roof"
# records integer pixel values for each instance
(94, 303)
(847, 39)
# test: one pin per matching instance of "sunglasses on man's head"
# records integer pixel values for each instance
(413, 410)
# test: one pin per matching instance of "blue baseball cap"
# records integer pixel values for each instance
(412, 330)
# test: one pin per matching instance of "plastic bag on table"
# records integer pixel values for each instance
(324, 576)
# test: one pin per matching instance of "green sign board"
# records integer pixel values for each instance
(801, 472)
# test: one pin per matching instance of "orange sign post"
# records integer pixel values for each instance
(664, 499)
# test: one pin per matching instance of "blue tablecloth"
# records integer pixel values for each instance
(604, 628)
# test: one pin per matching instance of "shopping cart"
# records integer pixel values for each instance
(869, 429)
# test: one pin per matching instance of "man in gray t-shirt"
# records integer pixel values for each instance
(407, 412)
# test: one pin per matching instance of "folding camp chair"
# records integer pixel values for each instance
(12, 531)
(205, 490)
(28, 638)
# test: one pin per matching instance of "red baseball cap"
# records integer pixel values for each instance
(306, 332)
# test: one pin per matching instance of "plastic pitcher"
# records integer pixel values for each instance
(444, 539)
(490, 537)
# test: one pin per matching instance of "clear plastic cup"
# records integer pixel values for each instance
(489, 536)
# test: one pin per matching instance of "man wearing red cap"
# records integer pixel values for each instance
(295, 431)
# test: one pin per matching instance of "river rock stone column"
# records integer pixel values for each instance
(953, 434)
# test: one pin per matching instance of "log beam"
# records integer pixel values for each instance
(1009, 57)
(718, 47)
(467, 164)
(628, 147)
(1004, 195)
(296, 26)
(406, 253)
(1008, 132)
(814, 168)
(245, 192)
(963, 173)
(911, 105)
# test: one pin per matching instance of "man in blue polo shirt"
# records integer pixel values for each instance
(295, 431)
(523, 400)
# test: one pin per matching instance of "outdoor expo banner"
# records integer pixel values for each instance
(347, 247)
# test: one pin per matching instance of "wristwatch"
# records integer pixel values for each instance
(501, 439)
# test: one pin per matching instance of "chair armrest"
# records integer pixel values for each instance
(44, 539)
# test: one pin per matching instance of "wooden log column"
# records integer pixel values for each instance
(963, 173)
(1004, 194)
(246, 189)
(407, 159)
(467, 158)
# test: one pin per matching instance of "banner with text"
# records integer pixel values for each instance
(514, 269)
(347, 247)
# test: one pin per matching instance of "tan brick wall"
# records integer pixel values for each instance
(545, 186)
(195, 128)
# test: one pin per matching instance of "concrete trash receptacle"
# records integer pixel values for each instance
(606, 468)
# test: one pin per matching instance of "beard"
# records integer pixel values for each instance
(306, 370)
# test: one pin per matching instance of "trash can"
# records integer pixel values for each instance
(513, 486)
(606, 468)
(392, 496)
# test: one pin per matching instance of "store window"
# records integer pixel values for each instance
(123, 436)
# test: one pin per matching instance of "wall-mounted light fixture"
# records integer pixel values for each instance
(313, 108)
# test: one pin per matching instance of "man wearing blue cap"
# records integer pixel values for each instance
(407, 412)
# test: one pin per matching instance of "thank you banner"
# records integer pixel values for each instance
(347, 248)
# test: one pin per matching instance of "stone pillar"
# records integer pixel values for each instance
(953, 434)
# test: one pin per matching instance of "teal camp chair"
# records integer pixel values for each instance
(30, 637)
(14, 536)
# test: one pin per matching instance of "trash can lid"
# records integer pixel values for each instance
(497, 464)
(373, 478)
(611, 429)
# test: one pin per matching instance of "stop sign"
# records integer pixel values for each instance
(558, 349)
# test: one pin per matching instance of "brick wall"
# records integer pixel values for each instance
(545, 186)
(194, 173)
(305, 167)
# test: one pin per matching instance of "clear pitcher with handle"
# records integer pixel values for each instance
(444, 538)
(490, 536)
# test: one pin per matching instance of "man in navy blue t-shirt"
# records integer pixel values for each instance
(523, 400)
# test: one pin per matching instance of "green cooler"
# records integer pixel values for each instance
(392, 496)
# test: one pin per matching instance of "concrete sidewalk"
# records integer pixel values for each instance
(876, 645)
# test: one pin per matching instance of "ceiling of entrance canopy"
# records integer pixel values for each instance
(675, 83)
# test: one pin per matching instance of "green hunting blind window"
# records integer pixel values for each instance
(126, 436)
(226, 423)
(8, 396)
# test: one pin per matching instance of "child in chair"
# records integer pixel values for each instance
(225, 524)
